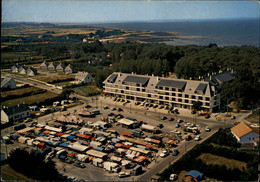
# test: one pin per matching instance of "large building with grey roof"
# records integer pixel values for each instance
(167, 91)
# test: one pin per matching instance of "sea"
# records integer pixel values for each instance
(235, 32)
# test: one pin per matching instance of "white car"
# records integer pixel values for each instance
(207, 128)
(179, 121)
(175, 131)
(164, 153)
(123, 174)
(197, 138)
(173, 177)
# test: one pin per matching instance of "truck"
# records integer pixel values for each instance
(82, 157)
(137, 170)
(111, 166)
(62, 158)
(138, 133)
(19, 127)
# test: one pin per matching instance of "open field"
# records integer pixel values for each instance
(57, 77)
(30, 99)
(67, 83)
(8, 174)
(87, 90)
(218, 160)
(20, 91)
(254, 117)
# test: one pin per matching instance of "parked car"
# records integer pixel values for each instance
(175, 152)
(173, 177)
(160, 107)
(27, 120)
(79, 164)
(155, 106)
(164, 153)
(207, 116)
(179, 121)
(197, 138)
(123, 174)
(137, 103)
(163, 118)
(175, 131)
(110, 114)
(113, 109)
(160, 125)
(119, 109)
(177, 125)
(170, 119)
(106, 107)
(187, 138)
(207, 129)
(233, 117)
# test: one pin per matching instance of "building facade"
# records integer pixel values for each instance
(44, 65)
(83, 77)
(245, 134)
(60, 68)
(163, 91)
(69, 69)
(8, 82)
(15, 113)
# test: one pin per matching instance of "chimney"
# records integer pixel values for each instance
(4, 107)
(210, 77)
(208, 74)
(152, 75)
(132, 73)
(199, 77)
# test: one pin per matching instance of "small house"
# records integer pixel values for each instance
(15, 68)
(69, 69)
(44, 65)
(60, 68)
(83, 77)
(245, 134)
(52, 66)
(8, 82)
(31, 71)
(15, 113)
(23, 70)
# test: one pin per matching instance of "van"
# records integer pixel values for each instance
(137, 170)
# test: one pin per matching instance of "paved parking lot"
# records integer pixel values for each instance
(151, 117)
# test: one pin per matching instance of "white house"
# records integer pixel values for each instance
(44, 65)
(83, 77)
(23, 70)
(60, 68)
(244, 134)
(69, 69)
(15, 113)
(52, 66)
(8, 82)
(15, 68)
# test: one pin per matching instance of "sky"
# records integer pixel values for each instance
(90, 11)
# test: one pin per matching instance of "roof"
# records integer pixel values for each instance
(241, 130)
(44, 63)
(171, 83)
(16, 109)
(136, 79)
(126, 121)
(201, 88)
(195, 174)
(6, 80)
(221, 77)
(69, 67)
(60, 66)
(52, 64)
(112, 78)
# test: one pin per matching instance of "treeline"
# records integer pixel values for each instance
(33, 165)
(190, 161)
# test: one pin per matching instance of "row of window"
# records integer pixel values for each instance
(173, 94)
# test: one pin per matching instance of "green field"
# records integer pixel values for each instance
(208, 159)
(19, 91)
(67, 83)
(8, 174)
(30, 99)
(87, 90)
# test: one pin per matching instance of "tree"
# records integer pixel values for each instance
(196, 106)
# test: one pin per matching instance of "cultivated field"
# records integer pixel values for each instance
(19, 91)
(30, 99)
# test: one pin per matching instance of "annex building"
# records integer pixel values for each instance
(167, 91)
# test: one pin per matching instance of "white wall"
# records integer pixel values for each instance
(249, 138)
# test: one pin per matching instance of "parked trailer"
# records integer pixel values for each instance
(82, 157)
(111, 166)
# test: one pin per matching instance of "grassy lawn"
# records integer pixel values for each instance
(8, 174)
(217, 160)
(57, 77)
(19, 91)
(67, 83)
(87, 90)
(30, 99)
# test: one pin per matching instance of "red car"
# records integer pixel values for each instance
(170, 119)
(207, 116)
